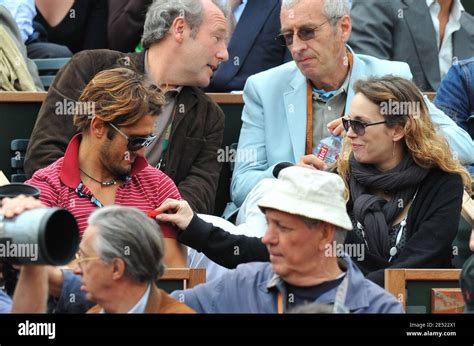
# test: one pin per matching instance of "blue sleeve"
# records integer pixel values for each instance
(199, 298)
(72, 299)
(5, 303)
(207, 298)
(461, 144)
(382, 301)
(390, 306)
(24, 18)
(248, 173)
(23, 11)
(452, 96)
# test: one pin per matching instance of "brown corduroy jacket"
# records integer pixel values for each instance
(191, 159)
(159, 302)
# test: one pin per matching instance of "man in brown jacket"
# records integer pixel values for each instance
(183, 49)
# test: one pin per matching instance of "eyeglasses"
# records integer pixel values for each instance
(304, 34)
(135, 143)
(80, 259)
(357, 126)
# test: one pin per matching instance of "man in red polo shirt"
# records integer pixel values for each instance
(105, 164)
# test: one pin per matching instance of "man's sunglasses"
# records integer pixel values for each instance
(357, 126)
(135, 143)
(304, 34)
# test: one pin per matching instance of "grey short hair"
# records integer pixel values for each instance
(129, 234)
(162, 13)
(339, 235)
(310, 223)
(331, 8)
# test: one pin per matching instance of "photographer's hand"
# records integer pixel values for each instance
(15, 206)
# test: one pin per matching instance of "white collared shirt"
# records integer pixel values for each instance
(445, 48)
(140, 306)
(23, 12)
(239, 10)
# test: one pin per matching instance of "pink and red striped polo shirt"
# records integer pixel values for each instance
(147, 188)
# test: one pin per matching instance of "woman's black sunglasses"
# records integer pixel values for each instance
(357, 126)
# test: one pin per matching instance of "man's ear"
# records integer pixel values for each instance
(327, 234)
(98, 127)
(178, 28)
(118, 268)
(345, 25)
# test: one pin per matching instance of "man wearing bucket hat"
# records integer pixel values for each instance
(307, 220)
(467, 284)
(307, 223)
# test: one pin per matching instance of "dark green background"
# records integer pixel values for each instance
(468, 5)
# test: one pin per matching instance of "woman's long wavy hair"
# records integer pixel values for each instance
(428, 149)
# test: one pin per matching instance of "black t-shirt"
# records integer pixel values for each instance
(83, 27)
(298, 295)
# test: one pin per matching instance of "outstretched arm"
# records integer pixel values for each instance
(222, 247)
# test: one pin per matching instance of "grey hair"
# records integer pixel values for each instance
(331, 8)
(339, 235)
(161, 14)
(310, 223)
(127, 233)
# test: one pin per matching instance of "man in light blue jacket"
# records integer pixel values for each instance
(307, 225)
(290, 108)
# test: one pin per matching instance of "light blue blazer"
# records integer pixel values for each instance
(274, 121)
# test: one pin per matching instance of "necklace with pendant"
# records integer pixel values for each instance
(103, 183)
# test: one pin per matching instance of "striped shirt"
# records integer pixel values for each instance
(146, 188)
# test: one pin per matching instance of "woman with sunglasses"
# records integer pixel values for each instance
(404, 187)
